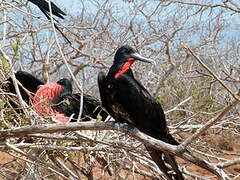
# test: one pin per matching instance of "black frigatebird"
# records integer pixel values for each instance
(60, 94)
(127, 100)
(57, 99)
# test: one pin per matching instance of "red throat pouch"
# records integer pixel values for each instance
(43, 98)
(126, 66)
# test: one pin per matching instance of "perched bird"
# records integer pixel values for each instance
(57, 99)
(127, 100)
(63, 101)
(43, 5)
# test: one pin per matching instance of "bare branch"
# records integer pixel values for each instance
(211, 122)
(147, 140)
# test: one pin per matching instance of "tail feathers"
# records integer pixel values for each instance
(166, 162)
(168, 139)
(172, 161)
(163, 161)
(44, 7)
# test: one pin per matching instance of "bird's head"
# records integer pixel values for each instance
(125, 57)
(66, 84)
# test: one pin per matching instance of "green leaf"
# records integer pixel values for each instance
(5, 64)
(2, 103)
(99, 118)
(15, 46)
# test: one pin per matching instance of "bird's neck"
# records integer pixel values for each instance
(65, 92)
(122, 69)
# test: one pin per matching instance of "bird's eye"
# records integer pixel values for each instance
(109, 86)
(129, 51)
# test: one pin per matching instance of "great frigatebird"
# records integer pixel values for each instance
(64, 102)
(127, 100)
(57, 99)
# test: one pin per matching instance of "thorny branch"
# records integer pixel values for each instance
(208, 125)
(36, 160)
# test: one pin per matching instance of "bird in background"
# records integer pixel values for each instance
(60, 95)
(58, 100)
(43, 5)
(127, 100)
(70, 104)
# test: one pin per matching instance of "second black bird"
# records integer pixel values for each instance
(67, 102)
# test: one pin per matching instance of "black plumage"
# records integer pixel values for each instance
(43, 5)
(127, 100)
(28, 82)
(66, 102)
(69, 103)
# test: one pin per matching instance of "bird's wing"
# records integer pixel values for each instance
(149, 117)
(44, 7)
(102, 86)
(29, 81)
(70, 104)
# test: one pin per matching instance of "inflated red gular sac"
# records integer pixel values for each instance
(47, 94)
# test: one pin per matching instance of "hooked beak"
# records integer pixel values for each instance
(39, 86)
(141, 58)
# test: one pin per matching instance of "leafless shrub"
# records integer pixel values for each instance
(196, 47)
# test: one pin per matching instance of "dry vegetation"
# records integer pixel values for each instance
(196, 79)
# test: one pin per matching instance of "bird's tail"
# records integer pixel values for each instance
(166, 163)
